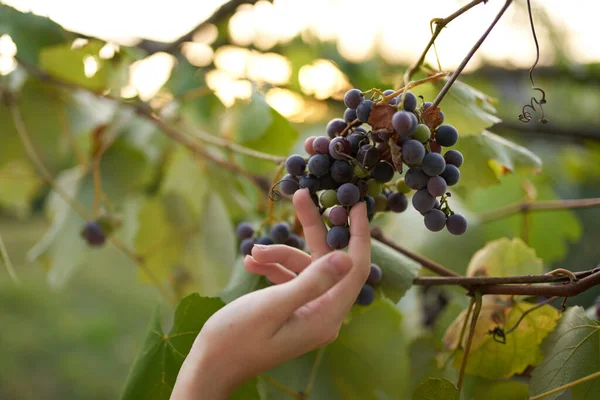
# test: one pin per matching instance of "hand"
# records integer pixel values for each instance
(299, 314)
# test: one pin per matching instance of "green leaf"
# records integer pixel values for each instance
(254, 118)
(488, 157)
(19, 184)
(571, 352)
(436, 389)
(464, 107)
(398, 270)
(505, 257)
(549, 244)
(475, 388)
(31, 32)
(155, 370)
(241, 282)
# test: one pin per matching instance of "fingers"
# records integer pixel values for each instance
(318, 278)
(291, 258)
(312, 223)
(272, 271)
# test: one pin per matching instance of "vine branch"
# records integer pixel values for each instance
(543, 205)
(474, 318)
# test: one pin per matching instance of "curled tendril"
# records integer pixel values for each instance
(274, 193)
(526, 112)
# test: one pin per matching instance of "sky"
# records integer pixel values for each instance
(398, 30)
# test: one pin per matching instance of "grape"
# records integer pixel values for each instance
(413, 152)
(422, 133)
(309, 182)
(338, 216)
(364, 110)
(410, 103)
(348, 194)
(360, 172)
(280, 232)
(244, 230)
(295, 241)
(404, 123)
(328, 198)
(319, 165)
(375, 275)
(353, 98)
(295, 165)
(335, 127)
(370, 203)
(289, 185)
(342, 171)
(423, 201)
(315, 199)
(402, 187)
(426, 105)
(338, 237)
(366, 295)
(437, 186)
(339, 147)
(326, 182)
(321, 145)
(456, 224)
(384, 151)
(446, 135)
(308, 145)
(443, 117)
(397, 202)
(93, 234)
(246, 246)
(356, 140)
(373, 187)
(454, 157)
(393, 101)
(451, 175)
(349, 115)
(363, 188)
(415, 178)
(265, 241)
(368, 155)
(360, 129)
(383, 172)
(433, 164)
(435, 220)
(435, 146)
(381, 203)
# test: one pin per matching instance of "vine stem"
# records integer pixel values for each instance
(409, 85)
(439, 25)
(7, 263)
(276, 384)
(588, 378)
(314, 371)
(469, 55)
(542, 205)
(463, 366)
(462, 332)
(472, 281)
(522, 317)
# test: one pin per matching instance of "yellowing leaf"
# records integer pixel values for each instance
(505, 257)
(494, 360)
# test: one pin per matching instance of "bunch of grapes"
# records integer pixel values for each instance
(279, 233)
(366, 296)
(353, 163)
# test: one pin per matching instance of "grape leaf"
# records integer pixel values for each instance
(31, 32)
(475, 388)
(493, 360)
(464, 107)
(505, 257)
(155, 370)
(571, 352)
(549, 244)
(398, 270)
(488, 157)
(436, 389)
(18, 186)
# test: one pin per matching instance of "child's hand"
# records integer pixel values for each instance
(270, 326)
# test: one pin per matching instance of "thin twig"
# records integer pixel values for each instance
(281, 387)
(463, 366)
(462, 333)
(588, 378)
(7, 263)
(314, 371)
(410, 85)
(473, 281)
(468, 57)
(542, 205)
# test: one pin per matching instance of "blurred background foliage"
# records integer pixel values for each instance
(265, 76)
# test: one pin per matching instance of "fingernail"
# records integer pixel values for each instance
(340, 262)
(260, 246)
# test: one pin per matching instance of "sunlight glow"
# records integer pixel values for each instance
(108, 51)
(8, 50)
(90, 66)
(227, 88)
(198, 54)
(285, 102)
(147, 76)
(323, 79)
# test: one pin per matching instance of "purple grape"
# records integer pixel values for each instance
(265, 241)
(456, 224)
(437, 186)
(370, 203)
(397, 202)
(454, 157)
(353, 98)
(289, 185)
(375, 275)
(423, 201)
(348, 194)
(342, 171)
(246, 246)
(93, 234)
(280, 232)
(309, 182)
(356, 140)
(321, 145)
(295, 241)
(415, 178)
(413, 152)
(339, 148)
(319, 165)
(410, 104)
(244, 230)
(383, 172)
(368, 156)
(364, 110)
(451, 175)
(338, 237)
(446, 135)
(335, 127)
(326, 182)
(393, 101)
(349, 115)
(338, 216)
(433, 164)
(363, 188)
(366, 296)
(404, 123)
(435, 220)
(295, 165)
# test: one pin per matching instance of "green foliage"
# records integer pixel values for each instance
(399, 270)
(17, 191)
(571, 352)
(505, 257)
(436, 389)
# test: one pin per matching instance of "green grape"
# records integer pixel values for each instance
(373, 187)
(422, 133)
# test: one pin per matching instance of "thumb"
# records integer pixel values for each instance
(314, 281)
